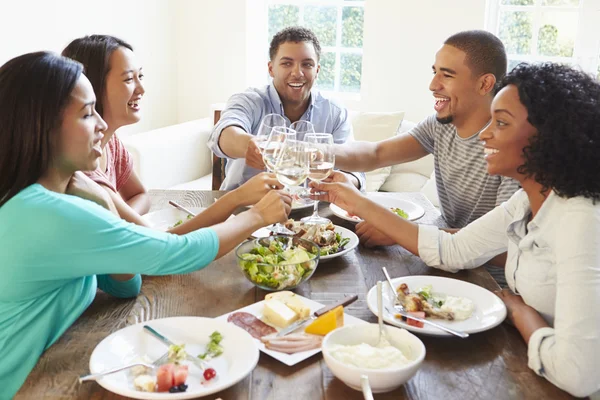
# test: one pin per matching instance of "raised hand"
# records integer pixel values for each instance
(254, 156)
(256, 188)
(337, 189)
(274, 207)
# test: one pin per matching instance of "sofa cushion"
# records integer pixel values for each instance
(375, 127)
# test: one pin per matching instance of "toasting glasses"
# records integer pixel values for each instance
(274, 144)
(291, 169)
(302, 128)
(267, 124)
(322, 160)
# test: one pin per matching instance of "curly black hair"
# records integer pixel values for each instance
(294, 34)
(564, 106)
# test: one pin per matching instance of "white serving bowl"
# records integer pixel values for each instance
(381, 380)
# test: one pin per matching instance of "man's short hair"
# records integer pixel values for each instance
(294, 34)
(485, 52)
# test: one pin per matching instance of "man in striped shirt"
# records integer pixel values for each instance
(294, 66)
(465, 72)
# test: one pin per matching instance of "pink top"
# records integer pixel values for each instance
(119, 166)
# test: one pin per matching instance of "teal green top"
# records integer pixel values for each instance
(55, 250)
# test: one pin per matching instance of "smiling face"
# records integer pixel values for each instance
(80, 132)
(457, 92)
(294, 70)
(507, 135)
(124, 90)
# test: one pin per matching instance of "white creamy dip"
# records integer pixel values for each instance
(366, 356)
(460, 306)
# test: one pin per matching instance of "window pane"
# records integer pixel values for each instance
(322, 21)
(516, 31)
(518, 2)
(572, 3)
(281, 16)
(326, 79)
(352, 26)
(351, 70)
(557, 33)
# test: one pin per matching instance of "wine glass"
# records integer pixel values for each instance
(322, 160)
(274, 144)
(302, 128)
(267, 124)
(291, 169)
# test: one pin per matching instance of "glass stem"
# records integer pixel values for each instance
(316, 209)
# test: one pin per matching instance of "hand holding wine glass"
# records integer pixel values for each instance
(257, 144)
(274, 145)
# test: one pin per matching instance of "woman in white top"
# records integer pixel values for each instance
(545, 133)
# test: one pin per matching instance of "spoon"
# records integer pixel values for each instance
(366, 388)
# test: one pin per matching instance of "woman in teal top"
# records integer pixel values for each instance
(59, 236)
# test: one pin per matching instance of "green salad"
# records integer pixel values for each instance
(278, 263)
(400, 212)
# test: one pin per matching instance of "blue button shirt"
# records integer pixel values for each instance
(247, 110)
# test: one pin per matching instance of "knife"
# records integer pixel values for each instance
(316, 314)
(196, 361)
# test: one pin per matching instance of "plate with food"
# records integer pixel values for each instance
(459, 305)
(169, 217)
(404, 208)
(264, 319)
(228, 352)
(333, 240)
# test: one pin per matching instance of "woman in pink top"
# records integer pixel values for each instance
(116, 76)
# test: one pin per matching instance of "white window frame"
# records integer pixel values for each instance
(587, 42)
(338, 49)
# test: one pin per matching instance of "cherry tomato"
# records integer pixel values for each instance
(209, 373)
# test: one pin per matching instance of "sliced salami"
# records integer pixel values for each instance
(251, 324)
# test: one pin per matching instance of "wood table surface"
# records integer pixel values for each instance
(487, 365)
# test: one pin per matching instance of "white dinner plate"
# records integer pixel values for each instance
(413, 210)
(130, 344)
(346, 233)
(256, 309)
(489, 311)
(166, 218)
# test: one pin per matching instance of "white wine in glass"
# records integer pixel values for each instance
(321, 162)
(274, 144)
(267, 124)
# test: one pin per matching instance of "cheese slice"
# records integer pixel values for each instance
(292, 300)
(327, 322)
(278, 314)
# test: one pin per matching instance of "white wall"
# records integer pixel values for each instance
(400, 41)
(32, 25)
(211, 48)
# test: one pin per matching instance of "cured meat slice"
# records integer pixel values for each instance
(251, 324)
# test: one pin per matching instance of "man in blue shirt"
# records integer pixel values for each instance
(294, 66)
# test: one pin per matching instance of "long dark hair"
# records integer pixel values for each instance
(35, 88)
(94, 53)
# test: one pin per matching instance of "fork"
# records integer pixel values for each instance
(400, 310)
(157, 363)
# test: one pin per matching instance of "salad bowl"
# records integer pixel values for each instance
(278, 262)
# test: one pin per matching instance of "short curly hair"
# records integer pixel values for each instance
(294, 34)
(485, 52)
(563, 104)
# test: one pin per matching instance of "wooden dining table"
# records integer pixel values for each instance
(487, 365)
